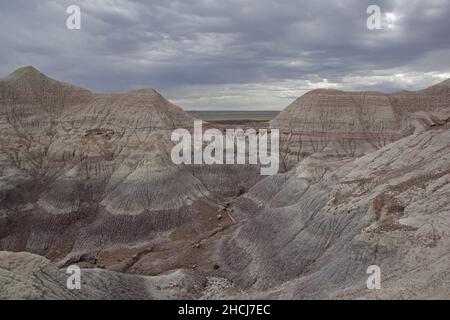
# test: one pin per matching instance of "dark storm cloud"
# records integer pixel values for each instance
(221, 48)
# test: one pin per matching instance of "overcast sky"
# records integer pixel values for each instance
(230, 55)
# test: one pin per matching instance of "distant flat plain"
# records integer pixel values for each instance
(224, 115)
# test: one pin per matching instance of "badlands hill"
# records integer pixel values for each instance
(312, 232)
(32, 89)
(27, 276)
(87, 179)
(353, 123)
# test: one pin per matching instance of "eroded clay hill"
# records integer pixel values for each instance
(308, 233)
(28, 276)
(349, 124)
(87, 179)
(313, 232)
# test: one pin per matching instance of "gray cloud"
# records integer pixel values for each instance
(229, 54)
